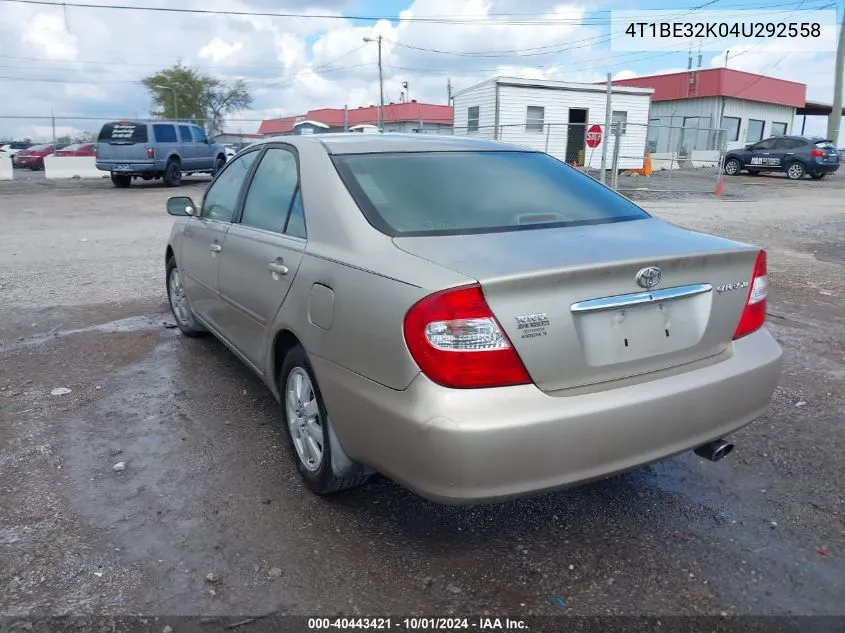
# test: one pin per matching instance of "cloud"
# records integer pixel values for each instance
(47, 35)
(217, 50)
(88, 62)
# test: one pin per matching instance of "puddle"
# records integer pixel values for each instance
(141, 323)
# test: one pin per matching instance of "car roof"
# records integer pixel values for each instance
(355, 143)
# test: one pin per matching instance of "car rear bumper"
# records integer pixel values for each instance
(823, 168)
(128, 167)
(470, 446)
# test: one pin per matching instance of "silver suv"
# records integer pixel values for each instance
(159, 149)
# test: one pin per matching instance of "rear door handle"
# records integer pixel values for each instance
(215, 248)
(278, 268)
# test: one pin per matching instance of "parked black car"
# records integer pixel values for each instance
(795, 155)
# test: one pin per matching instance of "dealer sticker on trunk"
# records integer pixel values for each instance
(532, 325)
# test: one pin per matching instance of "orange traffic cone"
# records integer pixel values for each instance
(720, 186)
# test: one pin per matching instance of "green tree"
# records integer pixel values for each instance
(183, 93)
(64, 139)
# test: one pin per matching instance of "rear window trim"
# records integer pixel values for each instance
(374, 218)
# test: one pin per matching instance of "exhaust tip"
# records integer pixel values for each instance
(715, 451)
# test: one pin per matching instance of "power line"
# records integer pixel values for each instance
(486, 19)
(138, 82)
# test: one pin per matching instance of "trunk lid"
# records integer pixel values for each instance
(569, 300)
(123, 141)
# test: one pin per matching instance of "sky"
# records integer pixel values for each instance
(84, 64)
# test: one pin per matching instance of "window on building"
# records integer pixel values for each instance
(472, 118)
(534, 118)
(620, 117)
(778, 129)
(755, 130)
(653, 137)
(731, 126)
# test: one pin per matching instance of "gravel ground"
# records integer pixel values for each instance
(208, 486)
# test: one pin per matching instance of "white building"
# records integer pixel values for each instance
(554, 116)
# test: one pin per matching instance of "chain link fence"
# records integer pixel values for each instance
(668, 155)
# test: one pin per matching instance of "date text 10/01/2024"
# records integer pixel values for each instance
(417, 623)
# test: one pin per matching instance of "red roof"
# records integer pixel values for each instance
(721, 82)
(393, 112)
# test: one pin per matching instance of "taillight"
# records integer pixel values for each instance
(151, 153)
(817, 153)
(457, 342)
(754, 312)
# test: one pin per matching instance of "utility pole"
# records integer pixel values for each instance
(606, 139)
(345, 119)
(835, 119)
(53, 120)
(380, 84)
(449, 91)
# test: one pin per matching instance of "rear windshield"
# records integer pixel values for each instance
(825, 145)
(454, 193)
(72, 147)
(123, 133)
(38, 148)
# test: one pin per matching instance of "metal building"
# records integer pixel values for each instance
(554, 116)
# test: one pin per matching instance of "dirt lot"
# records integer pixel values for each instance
(210, 488)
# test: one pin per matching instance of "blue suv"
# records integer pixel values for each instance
(156, 149)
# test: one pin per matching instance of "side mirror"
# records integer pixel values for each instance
(181, 206)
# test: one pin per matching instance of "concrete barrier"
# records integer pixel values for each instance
(6, 172)
(60, 167)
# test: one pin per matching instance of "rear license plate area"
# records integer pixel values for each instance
(627, 334)
(122, 167)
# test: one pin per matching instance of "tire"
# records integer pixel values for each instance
(121, 181)
(173, 174)
(298, 415)
(218, 165)
(733, 167)
(817, 176)
(179, 304)
(795, 170)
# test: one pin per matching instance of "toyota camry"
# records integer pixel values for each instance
(475, 320)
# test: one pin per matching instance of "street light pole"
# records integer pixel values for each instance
(380, 84)
(175, 103)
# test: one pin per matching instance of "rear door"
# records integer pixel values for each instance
(122, 143)
(204, 238)
(189, 148)
(263, 252)
(204, 156)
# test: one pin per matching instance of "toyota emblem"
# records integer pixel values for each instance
(648, 277)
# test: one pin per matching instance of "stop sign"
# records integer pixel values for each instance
(594, 135)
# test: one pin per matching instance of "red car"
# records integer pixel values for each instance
(78, 149)
(33, 157)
